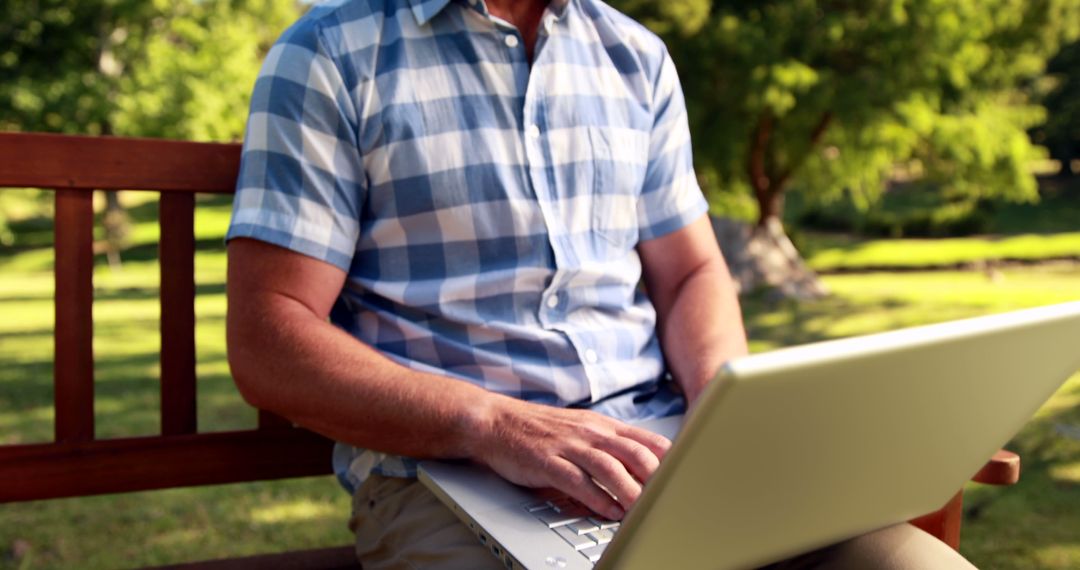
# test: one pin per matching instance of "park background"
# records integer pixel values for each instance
(923, 157)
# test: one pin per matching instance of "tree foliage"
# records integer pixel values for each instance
(1061, 133)
(157, 68)
(163, 68)
(828, 96)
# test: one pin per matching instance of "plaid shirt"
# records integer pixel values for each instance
(486, 211)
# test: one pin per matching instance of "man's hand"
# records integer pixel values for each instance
(287, 358)
(594, 459)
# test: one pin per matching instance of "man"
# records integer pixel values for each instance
(444, 211)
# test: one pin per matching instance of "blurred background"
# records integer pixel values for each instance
(922, 157)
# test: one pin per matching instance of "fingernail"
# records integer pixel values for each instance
(615, 514)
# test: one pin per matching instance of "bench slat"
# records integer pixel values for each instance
(111, 163)
(333, 558)
(73, 373)
(177, 257)
(47, 471)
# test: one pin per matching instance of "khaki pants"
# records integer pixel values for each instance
(400, 524)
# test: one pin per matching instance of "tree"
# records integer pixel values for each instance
(161, 68)
(1061, 133)
(198, 68)
(829, 96)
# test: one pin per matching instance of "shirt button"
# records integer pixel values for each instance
(511, 41)
(534, 132)
(591, 357)
(553, 301)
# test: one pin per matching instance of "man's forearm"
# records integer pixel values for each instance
(700, 324)
(287, 360)
(702, 329)
(322, 378)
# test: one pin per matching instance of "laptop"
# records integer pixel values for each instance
(795, 449)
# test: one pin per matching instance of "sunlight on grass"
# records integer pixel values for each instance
(25, 311)
(186, 537)
(34, 285)
(1058, 556)
(1068, 398)
(33, 261)
(291, 512)
(1067, 473)
(832, 254)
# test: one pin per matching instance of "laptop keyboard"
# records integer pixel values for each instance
(588, 533)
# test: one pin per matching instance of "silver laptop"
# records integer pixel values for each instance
(797, 448)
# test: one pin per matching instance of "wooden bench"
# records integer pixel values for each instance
(78, 464)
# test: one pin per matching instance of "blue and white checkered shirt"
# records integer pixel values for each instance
(486, 211)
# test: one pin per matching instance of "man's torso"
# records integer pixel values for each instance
(486, 208)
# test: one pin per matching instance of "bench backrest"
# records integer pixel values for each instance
(76, 463)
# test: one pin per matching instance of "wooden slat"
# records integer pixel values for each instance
(46, 471)
(945, 523)
(113, 163)
(74, 358)
(177, 257)
(334, 558)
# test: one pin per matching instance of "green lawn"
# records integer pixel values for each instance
(1035, 524)
(838, 252)
(141, 528)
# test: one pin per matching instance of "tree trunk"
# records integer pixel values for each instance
(770, 205)
(117, 227)
(762, 257)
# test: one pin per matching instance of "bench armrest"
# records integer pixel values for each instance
(1002, 469)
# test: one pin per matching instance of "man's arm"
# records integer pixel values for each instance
(287, 358)
(700, 323)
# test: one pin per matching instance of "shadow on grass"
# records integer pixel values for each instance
(178, 525)
(1038, 519)
(126, 396)
(127, 386)
(143, 252)
(790, 323)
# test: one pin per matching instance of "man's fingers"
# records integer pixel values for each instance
(609, 473)
(639, 460)
(656, 443)
(575, 482)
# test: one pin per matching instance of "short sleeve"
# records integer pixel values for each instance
(670, 197)
(301, 183)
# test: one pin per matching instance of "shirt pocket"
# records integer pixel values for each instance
(618, 173)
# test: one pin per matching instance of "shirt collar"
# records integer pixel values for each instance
(558, 7)
(425, 10)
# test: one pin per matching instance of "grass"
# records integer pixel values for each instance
(839, 252)
(152, 528)
(1034, 524)
(1014, 232)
